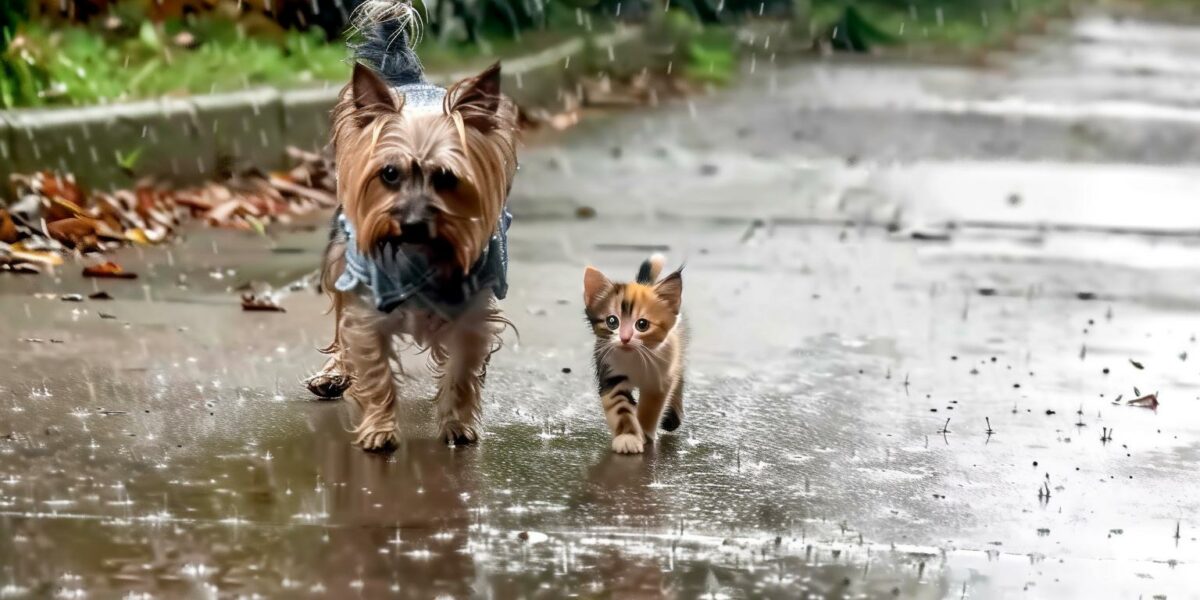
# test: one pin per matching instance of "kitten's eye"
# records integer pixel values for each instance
(642, 324)
(612, 322)
(390, 175)
(444, 181)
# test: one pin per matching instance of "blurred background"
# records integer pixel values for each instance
(68, 52)
(941, 273)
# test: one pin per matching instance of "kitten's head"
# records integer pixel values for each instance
(628, 316)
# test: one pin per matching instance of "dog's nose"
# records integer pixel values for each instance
(414, 220)
(415, 232)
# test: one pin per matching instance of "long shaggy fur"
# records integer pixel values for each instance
(456, 164)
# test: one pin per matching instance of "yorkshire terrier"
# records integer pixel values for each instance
(418, 250)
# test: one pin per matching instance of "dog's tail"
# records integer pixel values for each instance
(389, 29)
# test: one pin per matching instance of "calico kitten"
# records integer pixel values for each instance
(640, 340)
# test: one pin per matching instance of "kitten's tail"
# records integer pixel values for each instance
(389, 28)
(651, 267)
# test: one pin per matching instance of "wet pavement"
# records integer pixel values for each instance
(866, 304)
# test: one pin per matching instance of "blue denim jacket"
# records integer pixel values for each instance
(395, 278)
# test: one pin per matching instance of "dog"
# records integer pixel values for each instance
(418, 250)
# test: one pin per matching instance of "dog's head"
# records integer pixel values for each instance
(432, 179)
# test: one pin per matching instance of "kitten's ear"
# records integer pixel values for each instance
(670, 290)
(594, 284)
(477, 99)
(369, 91)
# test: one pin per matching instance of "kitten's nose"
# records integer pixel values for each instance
(626, 336)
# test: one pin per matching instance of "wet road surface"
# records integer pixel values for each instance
(864, 309)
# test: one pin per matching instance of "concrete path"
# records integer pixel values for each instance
(879, 271)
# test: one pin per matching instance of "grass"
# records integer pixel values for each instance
(962, 24)
(46, 65)
(128, 57)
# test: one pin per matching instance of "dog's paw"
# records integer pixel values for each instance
(628, 443)
(328, 385)
(378, 441)
(457, 433)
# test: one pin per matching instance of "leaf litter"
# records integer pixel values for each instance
(55, 218)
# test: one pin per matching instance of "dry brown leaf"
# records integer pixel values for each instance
(108, 270)
(41, 257)
(252, 302)
(77, 232)
(8, 229)
(1147, 401)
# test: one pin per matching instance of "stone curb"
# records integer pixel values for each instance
(185, 140)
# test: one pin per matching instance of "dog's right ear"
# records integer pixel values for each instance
(369, 91)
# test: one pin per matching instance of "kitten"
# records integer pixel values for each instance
(640, 339)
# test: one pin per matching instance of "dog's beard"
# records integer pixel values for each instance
(449, 243)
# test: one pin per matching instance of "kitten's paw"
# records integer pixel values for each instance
(378, 441)
(671, 419)
(457, 433)
(628, 443)
(328, 385)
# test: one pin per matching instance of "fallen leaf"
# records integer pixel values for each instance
(1147, 401)
(252, 302)
(137, 236)
(105, 315)
(1137, 365)
(8, 229)
(76, 232)
(108, 270)
(19, 268)
(71, 298)
(101, 295)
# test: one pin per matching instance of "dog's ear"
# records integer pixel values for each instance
(477, 99)
(369, 91)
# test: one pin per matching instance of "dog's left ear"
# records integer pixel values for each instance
(477, 99)
(369, 91)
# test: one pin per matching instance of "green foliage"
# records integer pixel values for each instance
(83, 65)
(860, 25)
(711, 57)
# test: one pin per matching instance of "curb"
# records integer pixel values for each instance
(187, 140)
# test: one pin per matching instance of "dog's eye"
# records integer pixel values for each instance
(390, 175)
(612, 322)
(444, 181)
(642, 324)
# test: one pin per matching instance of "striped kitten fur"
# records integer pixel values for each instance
(640, 340)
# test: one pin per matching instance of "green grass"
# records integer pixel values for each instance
(79, 65)
(961, 24)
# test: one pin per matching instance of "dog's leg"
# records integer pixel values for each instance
(332, 381)
(460, 361)
(366, 349)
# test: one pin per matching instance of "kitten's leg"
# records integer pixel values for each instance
(616, 397)
(366, 350)
(673, 415)
(650, 410)
(461, 362)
